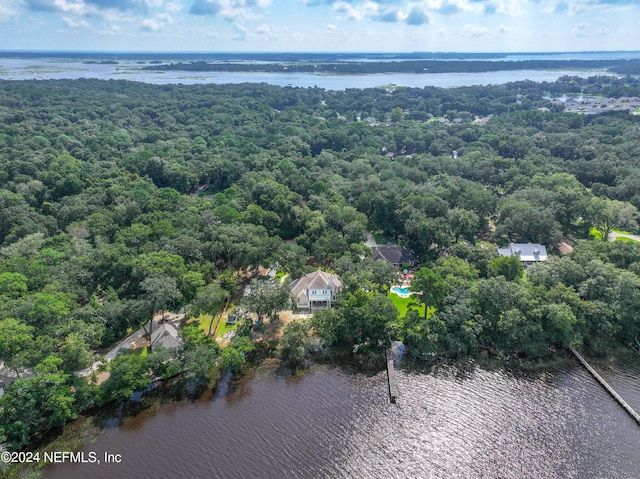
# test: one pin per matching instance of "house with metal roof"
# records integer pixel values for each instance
(528, 253)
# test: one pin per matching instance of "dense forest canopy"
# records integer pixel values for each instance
(121, 198)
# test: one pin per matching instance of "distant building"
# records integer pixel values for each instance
(394, 254)
(316, 290)
(528, 253)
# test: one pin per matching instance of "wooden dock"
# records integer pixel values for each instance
(391, 377)
(606, 386)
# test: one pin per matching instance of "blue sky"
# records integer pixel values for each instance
(320, 25)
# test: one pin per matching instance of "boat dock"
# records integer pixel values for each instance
(606, 386)
(391, 377)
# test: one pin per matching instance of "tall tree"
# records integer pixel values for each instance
(160, 292)
(128, 373)
(430, 287)
(508, 266)
(209, 300)
(14, 337)
(267, 299)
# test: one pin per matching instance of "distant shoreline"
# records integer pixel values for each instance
(423, 67)
(423, 63)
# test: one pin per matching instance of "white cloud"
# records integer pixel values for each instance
(474, 31)
(331, 28)
(157, 22)
(174, 7)
(73, 7)
(111, 29)
(587, 30)
(268, 31)
(75, 23)
(7, 10)
(230, 9)
(347, 11)
(581, 29)
(241, 33)
(512, 8)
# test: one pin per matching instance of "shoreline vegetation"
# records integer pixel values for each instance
(426, 67)
(102, 226)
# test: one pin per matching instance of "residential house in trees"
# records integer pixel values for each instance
(528, 253)
(166, 336)
(394, 254)
(315, 290)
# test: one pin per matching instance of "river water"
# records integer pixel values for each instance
(56, 69)
(452, 422)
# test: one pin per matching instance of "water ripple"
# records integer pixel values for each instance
(454, 422)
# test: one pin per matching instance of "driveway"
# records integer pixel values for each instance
(128, 342)
(613, 235)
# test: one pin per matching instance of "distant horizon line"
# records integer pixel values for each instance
(350, 52)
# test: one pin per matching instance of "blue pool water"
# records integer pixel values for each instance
(399, 290)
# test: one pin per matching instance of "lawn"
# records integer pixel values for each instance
(404, 304)
(622, 238)
(224, 329)
(203, 321)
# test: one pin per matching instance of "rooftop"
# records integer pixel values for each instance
(527, 252)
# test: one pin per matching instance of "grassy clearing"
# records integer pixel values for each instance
(622, 238)
(404, 304)
(225, 328)
(203, 321)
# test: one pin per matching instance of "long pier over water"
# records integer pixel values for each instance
(606, 386)
(391, 377)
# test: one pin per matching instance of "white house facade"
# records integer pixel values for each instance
(315, 290)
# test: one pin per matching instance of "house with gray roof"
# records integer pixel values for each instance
(166, 336)
(315, 290)
(394, 254)
(528, 253)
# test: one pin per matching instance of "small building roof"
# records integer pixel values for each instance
(526, 252)
(316, 280)
(394, 254)
(166, 336)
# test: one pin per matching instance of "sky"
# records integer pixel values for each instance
(320, 25)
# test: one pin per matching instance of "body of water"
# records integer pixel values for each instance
(56, 69)
(453, 422)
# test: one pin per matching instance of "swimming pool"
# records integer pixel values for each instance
(400, 291)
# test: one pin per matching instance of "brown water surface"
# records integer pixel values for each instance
(469, 422)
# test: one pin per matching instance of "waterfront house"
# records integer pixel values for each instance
(166, 336)
(315, 290)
